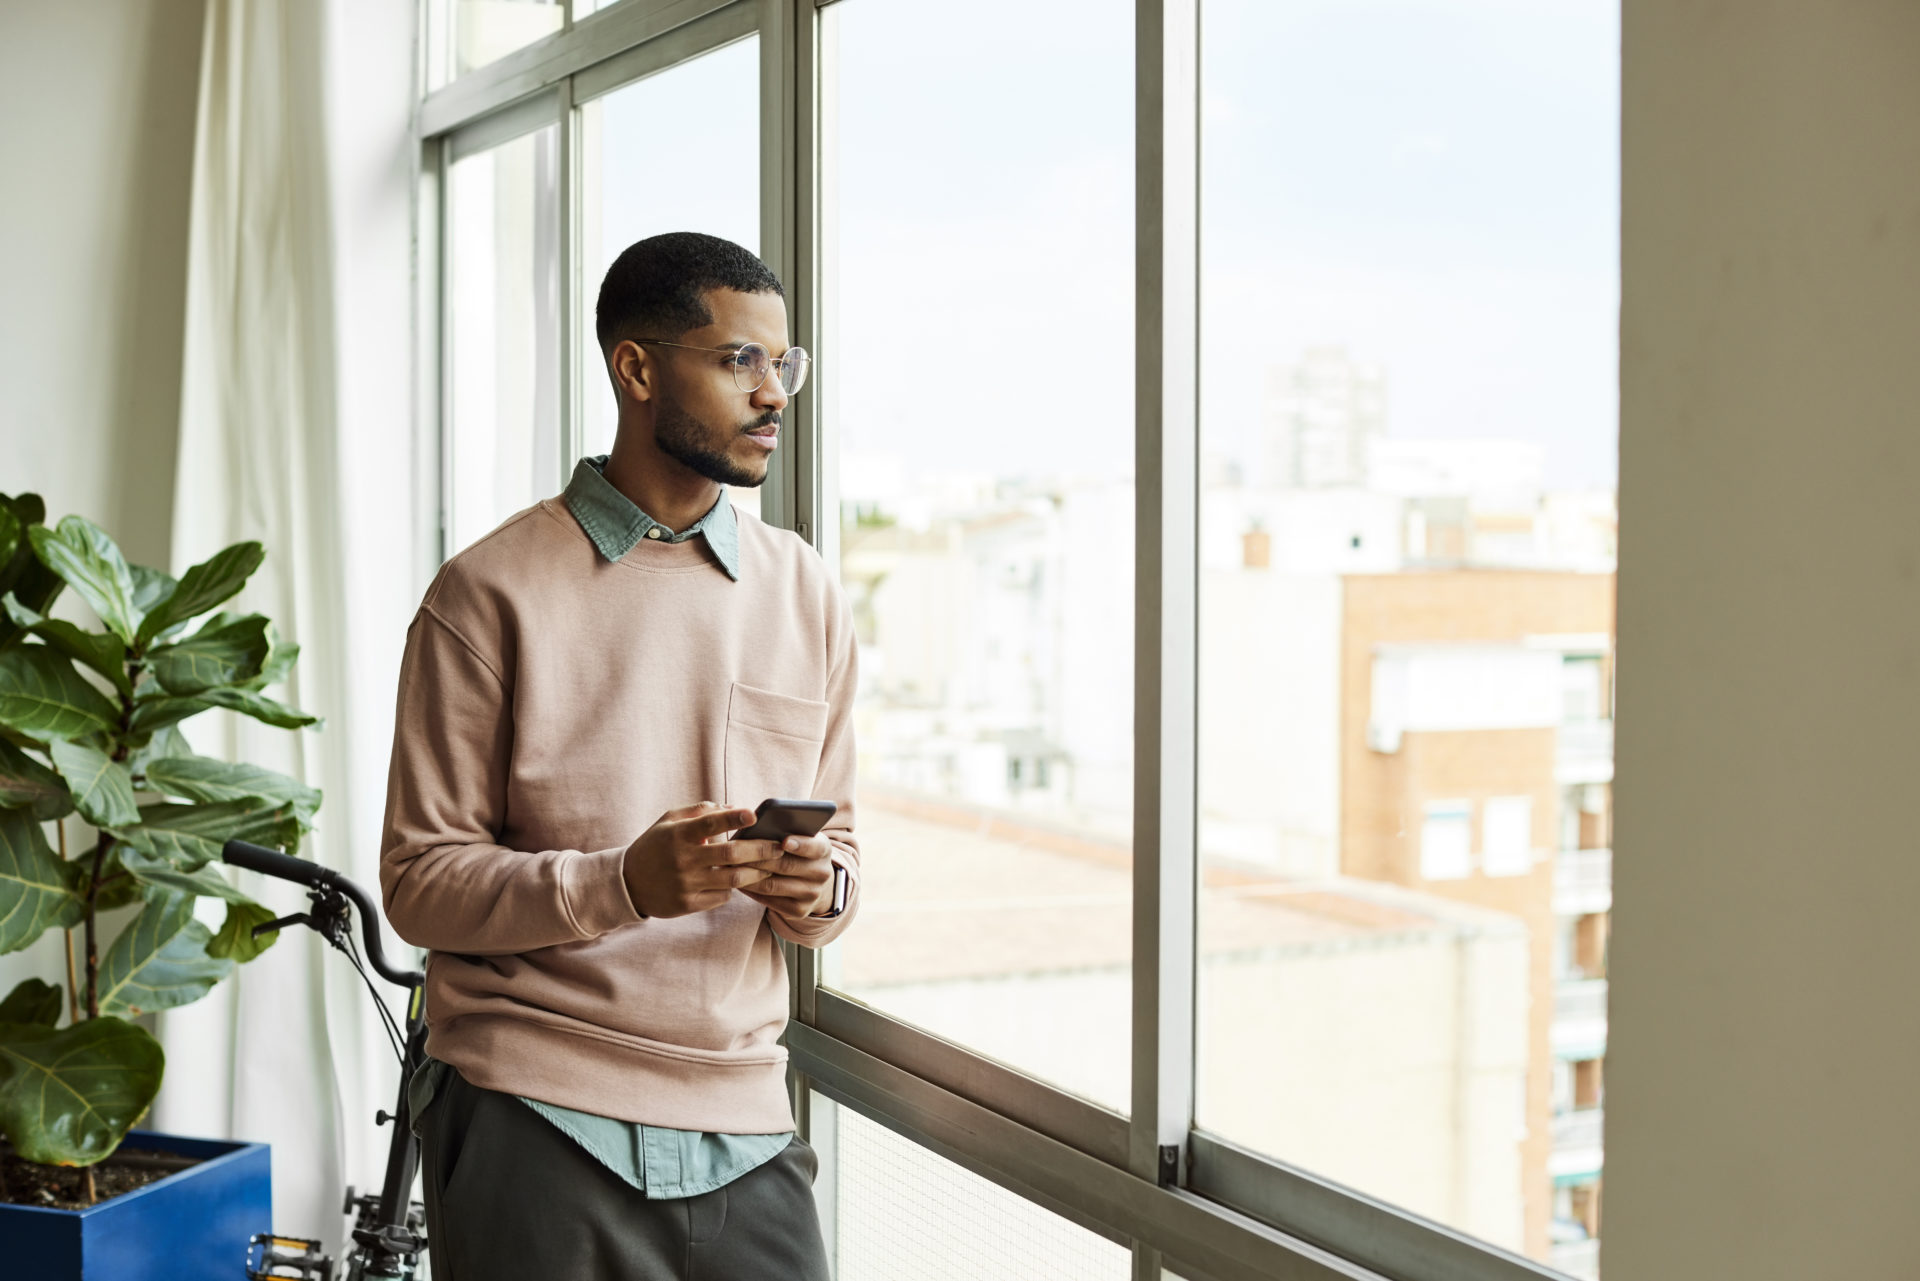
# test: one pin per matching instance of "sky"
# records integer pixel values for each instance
(1431, 184)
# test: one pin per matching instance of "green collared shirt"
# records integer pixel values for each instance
(615, 524)
(660, 1162)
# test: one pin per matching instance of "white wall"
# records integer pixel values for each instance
(1761, 1108)
(96, 157)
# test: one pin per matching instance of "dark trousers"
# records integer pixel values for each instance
(511, 1198)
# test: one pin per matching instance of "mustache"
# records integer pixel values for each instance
(771, 419)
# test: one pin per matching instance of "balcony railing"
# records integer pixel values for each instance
(1582, 882)
(1579, 1259)
(1577, 1131)
(1585, 752)
(1580, 1018)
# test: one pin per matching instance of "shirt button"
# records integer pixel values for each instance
(653, 533)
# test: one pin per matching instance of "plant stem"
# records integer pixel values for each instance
(73, 987)
(93, 952)
(91, 1193)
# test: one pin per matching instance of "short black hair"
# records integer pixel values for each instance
(654, 288)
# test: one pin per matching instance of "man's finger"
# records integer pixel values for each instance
(685, 811)
(787, 887)
(705, 826)
(727, 878)
(818, 871)
(730, 853)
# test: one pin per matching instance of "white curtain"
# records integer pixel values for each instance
(295, 418)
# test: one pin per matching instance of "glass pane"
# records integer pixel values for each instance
(487, 30)
(897, 1212)
(640, 179)
(1410, 291)
(503, 334)
(979, 383)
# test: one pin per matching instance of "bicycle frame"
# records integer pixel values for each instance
(388, 1232)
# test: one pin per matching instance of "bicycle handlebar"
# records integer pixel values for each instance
(284, 867)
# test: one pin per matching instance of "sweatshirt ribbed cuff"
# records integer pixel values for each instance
(596, 891)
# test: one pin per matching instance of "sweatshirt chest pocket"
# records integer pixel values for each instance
(773, 745)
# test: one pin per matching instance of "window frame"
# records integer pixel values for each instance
(1181, 1198)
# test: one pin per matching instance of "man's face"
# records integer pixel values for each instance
(702, 419)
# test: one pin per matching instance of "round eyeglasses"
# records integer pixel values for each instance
(751, 363)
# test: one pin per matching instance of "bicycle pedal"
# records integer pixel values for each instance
(268, 1255)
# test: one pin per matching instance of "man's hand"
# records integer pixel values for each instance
(799, 875)
(672, 870)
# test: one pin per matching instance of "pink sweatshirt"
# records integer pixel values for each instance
(553, 705)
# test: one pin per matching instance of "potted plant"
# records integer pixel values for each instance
(90, 731)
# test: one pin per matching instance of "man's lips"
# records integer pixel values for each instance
(765, 437)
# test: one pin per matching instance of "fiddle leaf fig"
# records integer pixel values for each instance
(102, 788)
(160, 961)
(102, 651)
(26, 782)
(69, 1095)
(225, 652)
(212, 581)
(32, 1001)
(80, 552)
(36, 887)
(43, 697)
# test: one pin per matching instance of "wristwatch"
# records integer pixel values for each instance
(842, 879)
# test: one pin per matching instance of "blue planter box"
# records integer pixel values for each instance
(190, 1225)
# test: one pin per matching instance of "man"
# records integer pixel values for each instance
(594, 697)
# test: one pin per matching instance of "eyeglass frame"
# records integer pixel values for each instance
(772, 362)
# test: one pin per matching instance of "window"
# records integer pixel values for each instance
(1215, 694)
(1507, 836)
(1446, 840)
(983, 431)
(503, 446)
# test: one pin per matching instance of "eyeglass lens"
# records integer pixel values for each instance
(750, 369)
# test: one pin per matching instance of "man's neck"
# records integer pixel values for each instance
(659, 486)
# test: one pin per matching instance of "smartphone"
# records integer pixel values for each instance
(775, 819)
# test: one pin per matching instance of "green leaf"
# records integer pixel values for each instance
(260, 707)
(235, 940)
(205, 880)
(80, 552)
(11, 532)
(116, 890)
(102, 788)
(26, 782)
(163, 745)
(102, 651)
(225, 652)
(43, 697)
(160, 961)
(155, 712)
(150, 587)
(33, 1001)
(202, 778)
(36, 888)
(213, 580)
(68, 1096)
(21, 573)
(278, 664)
(191, 835)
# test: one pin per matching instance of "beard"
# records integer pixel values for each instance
(689, 442)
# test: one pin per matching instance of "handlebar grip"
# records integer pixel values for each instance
(258, 858)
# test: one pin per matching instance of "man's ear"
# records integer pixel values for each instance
(632, 372)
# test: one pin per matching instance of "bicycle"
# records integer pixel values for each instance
(389, 1232)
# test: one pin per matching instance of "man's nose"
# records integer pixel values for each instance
(770, 393)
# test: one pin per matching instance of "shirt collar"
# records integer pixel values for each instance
(614, 523)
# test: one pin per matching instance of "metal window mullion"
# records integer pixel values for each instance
(567, 190)
(1166, 231)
